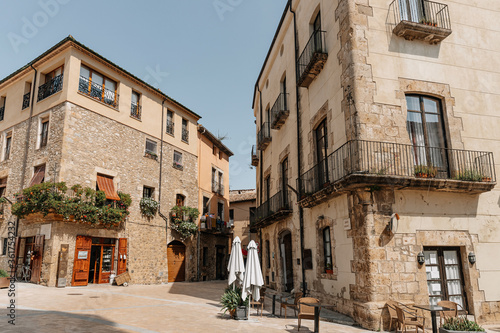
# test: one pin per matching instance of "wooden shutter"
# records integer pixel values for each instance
(36, 268)
(39, 175)
(16, 253)
(81, 266)
(122, 256)
(105, 184)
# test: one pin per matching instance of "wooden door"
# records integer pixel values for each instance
(176, 252)
(122, 256)
(13, 270)
(36, 265)
(81, 264)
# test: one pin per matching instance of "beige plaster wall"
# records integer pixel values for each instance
(242, 221)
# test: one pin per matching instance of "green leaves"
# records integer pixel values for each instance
(149, 207)
(231, 299)
(462, 324)
(182, 220)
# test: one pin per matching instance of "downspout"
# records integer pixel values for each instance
(198, 241)
(161, 154)
(299, 156)
(26, 145)
(261, 162)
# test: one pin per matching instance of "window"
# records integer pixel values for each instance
(317, 22)
(148, 192)
(444, 275)
(231, 214)
(27, 95)
(214, 150)
(185, 131)
(177, 160)
(205, 256)
(170, 122)
(4, 246)
(425, 128)
(3, 100)
(98, 86)
(105, 184)
(150, 147)
(284, 179)
(53, 83)
(38, 175)
(321, 152)
(221, 183)
(135, 108)
(267, 188)
(327, 245)
(3, 186)
(8, 143)
(411, 10)
(179, 200)
(44, 132)
(220, 211)
(268, 254)
(205, 205)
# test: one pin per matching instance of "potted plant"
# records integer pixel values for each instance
(231, 301)
(329, 269)
(460, 325)
(425, 171)
(4, 279)
(148, 207)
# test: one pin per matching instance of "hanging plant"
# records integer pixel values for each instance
(149, 207)
(182, 220)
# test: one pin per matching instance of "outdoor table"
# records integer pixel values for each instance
(317, 308)
(275, 293)
(433, 309)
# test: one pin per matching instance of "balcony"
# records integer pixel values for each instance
(26, 100)
(255, 157)
(360, 164)
(278, 207)
(96, 91)
(135, 111)
(264, 136)
(185, 135)
(49, 88)
(217, 187)
(424, 20)
(279, 111)
(312, 59)
(214, 225)
(170, 127)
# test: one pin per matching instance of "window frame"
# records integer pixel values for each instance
(7, 149)
(135, 113)
(151, 143)
(170, 129)
(148, 192)
(102, 86)
(43, 139)
(327, 245)
(177, 160)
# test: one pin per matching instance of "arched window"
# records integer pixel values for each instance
(327, 245)
(426, 130)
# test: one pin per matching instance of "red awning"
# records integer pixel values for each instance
(105, 184)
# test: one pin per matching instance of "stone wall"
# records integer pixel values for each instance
(211, 242)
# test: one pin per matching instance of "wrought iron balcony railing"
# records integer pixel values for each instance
(264, 136)
(312, 59)
(49, 88)
(185, 135)
(97, 91)
(279, 205)
(170, 127)
(135, 111)
(279, 111)
(26, 100)
(424, 20)
(2, 112)
(402, 161)
(255, 157)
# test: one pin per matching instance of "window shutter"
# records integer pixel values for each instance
(105, 184)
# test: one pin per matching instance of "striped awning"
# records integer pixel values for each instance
(39, 175)
(105, 184)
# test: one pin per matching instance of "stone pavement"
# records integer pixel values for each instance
(175, 307)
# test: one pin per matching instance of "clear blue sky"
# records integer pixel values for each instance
(206, 54)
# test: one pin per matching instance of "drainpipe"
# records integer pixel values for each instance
(161, 154)
(198, 241)
(261, 161)
(299, 156)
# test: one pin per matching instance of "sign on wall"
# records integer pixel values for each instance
(83, 254)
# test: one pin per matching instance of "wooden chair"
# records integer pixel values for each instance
(260, 301)
(391, 307)
(306, 312)
(285, 303)
(445, 315)
(407, 318)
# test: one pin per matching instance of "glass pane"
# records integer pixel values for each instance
(326, 235)
(432, 272)
(454, 287)
(97, 79)
(413, 103)
(459, 300)
(434, 300)
(450, 257)
(431, 105)
(84, 71)
(431, 257)
(452, 272)
(135, 98)
(110, 85)
(415, 130)
(434, 288)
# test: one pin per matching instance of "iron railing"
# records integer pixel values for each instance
(2, 112)
(135, 111)
(264, 135)
(279, 108)
(280, 202)
(423, 12)
(26, 100)
(49, 88)
(401, 160)
(96, 91)
(316, 44)
(255, 157)
(185, 135)
(170, 127)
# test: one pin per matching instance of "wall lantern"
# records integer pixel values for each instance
(472, 258)
(420, 258)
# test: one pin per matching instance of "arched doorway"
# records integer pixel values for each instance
(176, 256)
(286, 259)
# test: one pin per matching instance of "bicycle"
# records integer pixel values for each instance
(25, 274)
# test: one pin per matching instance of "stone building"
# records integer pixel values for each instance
(376, 131)
(241, 212)
(215, 229)
(73, 116)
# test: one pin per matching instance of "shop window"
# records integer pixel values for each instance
(38, 175)
(327, 250)
(444, 275)
(179, 200)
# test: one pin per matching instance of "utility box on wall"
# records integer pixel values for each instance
(62, 266)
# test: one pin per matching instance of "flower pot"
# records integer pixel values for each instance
(486, 179)
(444, 330)
(241, 313)
(329, 271)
